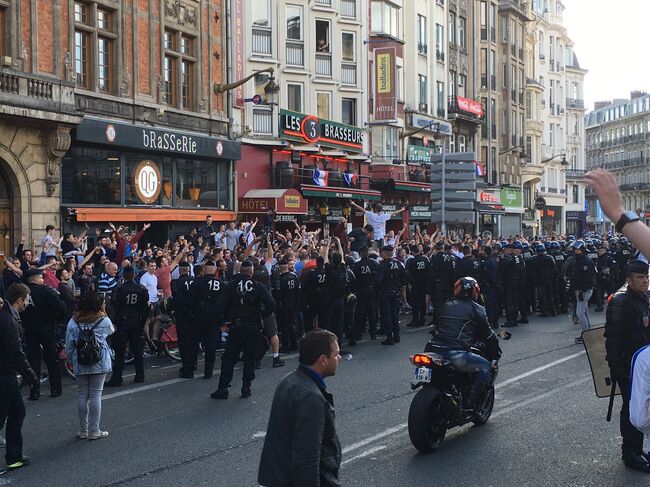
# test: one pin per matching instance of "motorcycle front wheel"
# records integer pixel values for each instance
(484, 409)
(427, 424)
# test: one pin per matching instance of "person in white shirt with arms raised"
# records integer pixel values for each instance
(378, 220)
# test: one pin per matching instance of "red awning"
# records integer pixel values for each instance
(283, 201)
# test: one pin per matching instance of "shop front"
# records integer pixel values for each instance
(511, 201)
(576, 222)
(489, 211)
(551, 219)
(133, 174)
(288, 206)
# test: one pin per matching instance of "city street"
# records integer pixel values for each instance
(548, 428)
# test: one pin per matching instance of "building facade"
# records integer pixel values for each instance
(618, 139)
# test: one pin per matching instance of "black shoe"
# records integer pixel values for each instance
(185, 375)
(207, 374)
(23, 462)
(396, 339)
(413, 324)
(636, 461)
(388, 341)
(113, 383)
(246, 390)
(56, 392)
(509, 325)
(278, 362)
(220, 394)
(34, 394)
(258, 364)
(523, 321)
(138, 379)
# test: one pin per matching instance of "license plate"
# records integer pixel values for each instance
(422, 374)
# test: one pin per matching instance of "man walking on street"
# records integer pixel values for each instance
(301, 447)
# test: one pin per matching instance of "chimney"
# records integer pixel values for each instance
(637, 94)
(601, 104)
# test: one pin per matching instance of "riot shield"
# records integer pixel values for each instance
(594, 342)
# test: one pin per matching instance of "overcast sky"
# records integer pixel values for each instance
(610, 41)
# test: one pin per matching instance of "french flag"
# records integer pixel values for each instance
(479, 169)
(320, 177)
(350, 179)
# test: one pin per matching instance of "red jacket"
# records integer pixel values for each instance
(121, 245)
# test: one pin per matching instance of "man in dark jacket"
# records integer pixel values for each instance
(12, 361)
(301, 448)
(626, 331)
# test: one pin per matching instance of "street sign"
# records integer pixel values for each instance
(256, 100)
(540, 203)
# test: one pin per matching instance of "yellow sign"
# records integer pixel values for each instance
(291, 201)
(384, 75)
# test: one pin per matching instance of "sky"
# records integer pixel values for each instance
(610, 41)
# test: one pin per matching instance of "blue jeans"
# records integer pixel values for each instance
(582, 309)
(90, 401)
(471, 363)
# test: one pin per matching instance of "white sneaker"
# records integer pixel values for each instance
(97, 435)
(82, 435)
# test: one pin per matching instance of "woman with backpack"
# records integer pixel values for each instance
(87, 348)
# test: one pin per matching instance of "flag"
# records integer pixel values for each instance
(350, 179)
(320, 177)
(479, 169)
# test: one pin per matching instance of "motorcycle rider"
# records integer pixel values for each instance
(462, 324)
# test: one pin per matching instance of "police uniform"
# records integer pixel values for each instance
(419, 271)
(245, 303)
(337, 286)
(443, 266)
(317, 298)
(182, 314)
(510, 275)
(490, 283)
(391, 277)
(44, 310)
(365, 273)
(544, 268)
(287, 302)
(130, 304)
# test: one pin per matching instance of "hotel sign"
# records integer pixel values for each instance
(385, 89)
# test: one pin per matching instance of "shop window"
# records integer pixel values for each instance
(3, 41)
(91, 177)
(197, 184)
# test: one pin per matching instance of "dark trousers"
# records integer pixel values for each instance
(43, 343)
(288, 325)
(491, 307)
(131, 335)
(366, 311)
(206, 334)
(12, 410)
(389, 309)
(599, 292)
(419, 302)
(349, 320)
(632, 437)
(522, 299)
(324, 313)
(336, 315)
(183, 338)
(242, 338)
(546, 297)
(511, 300)
(442, 292)
(561, 296)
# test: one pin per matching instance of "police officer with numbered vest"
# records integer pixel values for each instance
(182, 315)
(365, 273)
(391, 282)
(245, 303)
(419, 270)
(287, 302)
(131, 307)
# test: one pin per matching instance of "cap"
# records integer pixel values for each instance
(31, 273)
(637, 267)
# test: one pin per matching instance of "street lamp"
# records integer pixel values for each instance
(564, 162)
(271, 87)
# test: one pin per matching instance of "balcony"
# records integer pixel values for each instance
(261, 41)
(422, 48)
(324, 3)
(575, 103)
(349, 9)
(404, 177)
(262, 121)
(518, 6)
(349, 73)
(324, 64)
(440, 55)
(295, 53)
(288, 175)
(635, 187)
(453, 108)
(575, 173)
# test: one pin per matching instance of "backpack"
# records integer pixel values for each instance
(88, 349)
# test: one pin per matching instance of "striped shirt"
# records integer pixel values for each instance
(106, 283)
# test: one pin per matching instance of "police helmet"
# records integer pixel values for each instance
(571, 238)
(578, 245)
(540, 249)
(467, 287)
(554, 245)
(517, 245)
(498, 246)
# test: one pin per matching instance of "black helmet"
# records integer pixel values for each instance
(468, 287)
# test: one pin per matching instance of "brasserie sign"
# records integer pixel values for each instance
(310, 129)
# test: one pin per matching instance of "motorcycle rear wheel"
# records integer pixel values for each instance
(484, 412)
(427, 426)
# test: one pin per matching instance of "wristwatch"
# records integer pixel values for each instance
(627, 217)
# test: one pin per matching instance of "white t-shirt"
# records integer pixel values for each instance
(378, 222)
(50, 240)
(150, 281)
(640, 391)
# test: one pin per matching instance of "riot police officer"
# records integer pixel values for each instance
(337, 286)
(523, 304)
(287, 303)
(182, 316)
(559, 288)
(490, 284)
(626, 331)
(365, 273)
(583, 278)
(203, 296)
(245, 303)
(130, 305)
(44, 310)
(391, 281)
(419, 271)
(604, 266)
(510, 276)
(443, 265)
(545, 271)
(468, 266)
(317, 296)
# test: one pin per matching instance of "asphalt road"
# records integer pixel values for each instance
(548, 428)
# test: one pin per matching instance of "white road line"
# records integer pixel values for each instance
(400, 427)
(106, 397)
(364, 454)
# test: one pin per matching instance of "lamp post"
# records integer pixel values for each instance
(271, 87)
(564, 162)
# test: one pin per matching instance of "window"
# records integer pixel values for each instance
(385, 142)
(349, 111)
(94, 53)
(575, 194)
(462, 32)
(385, 18)
(452, 27)
(440, 93)
(323, 104)
(484, 26)
(322, 36)
(294, 97)
(178, 69)
(423, 96)
(347, 46)
(529, 106)
(462, 85)
(262, 13)
(440, 38)
(422, 34)
(452, 83)
(294, 23)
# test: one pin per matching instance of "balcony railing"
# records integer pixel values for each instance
(398, 172)
(518, 5)
(440, 55)
(290, 176)
(575, 103)
(324, 64)
(422, 48)
(262, 121)
(349, 9)
(261, 41)
(452, 107)
(575, 173)
(295, 53)
(324, 3)
(349, 73)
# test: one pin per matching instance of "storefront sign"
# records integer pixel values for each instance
(486, 197)
(416, 154)
(420, 213)
(292, 201)
(389, 208)
(540, 203)
(576, 215)
(147, 181)
(437, 126)
(312, 130)
(287, 201)
(469, 106)
(552, 213)
(385, 95)
(511, 197)
(238, 48)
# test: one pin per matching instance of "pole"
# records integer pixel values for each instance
(443, 225)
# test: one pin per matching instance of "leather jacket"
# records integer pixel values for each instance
(462, 324)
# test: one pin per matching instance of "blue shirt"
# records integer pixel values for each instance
(313, 374)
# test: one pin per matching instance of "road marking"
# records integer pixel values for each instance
(106, 397)
(400, 427)
(364, 454)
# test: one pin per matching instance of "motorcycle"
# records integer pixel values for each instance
(439, 404)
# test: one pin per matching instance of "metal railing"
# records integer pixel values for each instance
(349, 73)
(440, 55)
(398, 172)
(349, 9)
(295, 53)
(324, 64)
(262, 121)
(575, 103)
(324, 3)
(295, 176)
(422, 48)
(575, 173)
(261, 41)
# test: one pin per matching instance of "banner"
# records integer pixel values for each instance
(385, 84)
(238, 48)
(416, 154)
(469, 106)
(511, 197)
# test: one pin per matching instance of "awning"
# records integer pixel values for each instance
(150, 214)
(283, 201)
(489, 209)
(358, 157)
(304, 148)
(412, 186)
(333, 153)
(344, 193)
(264, 142)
